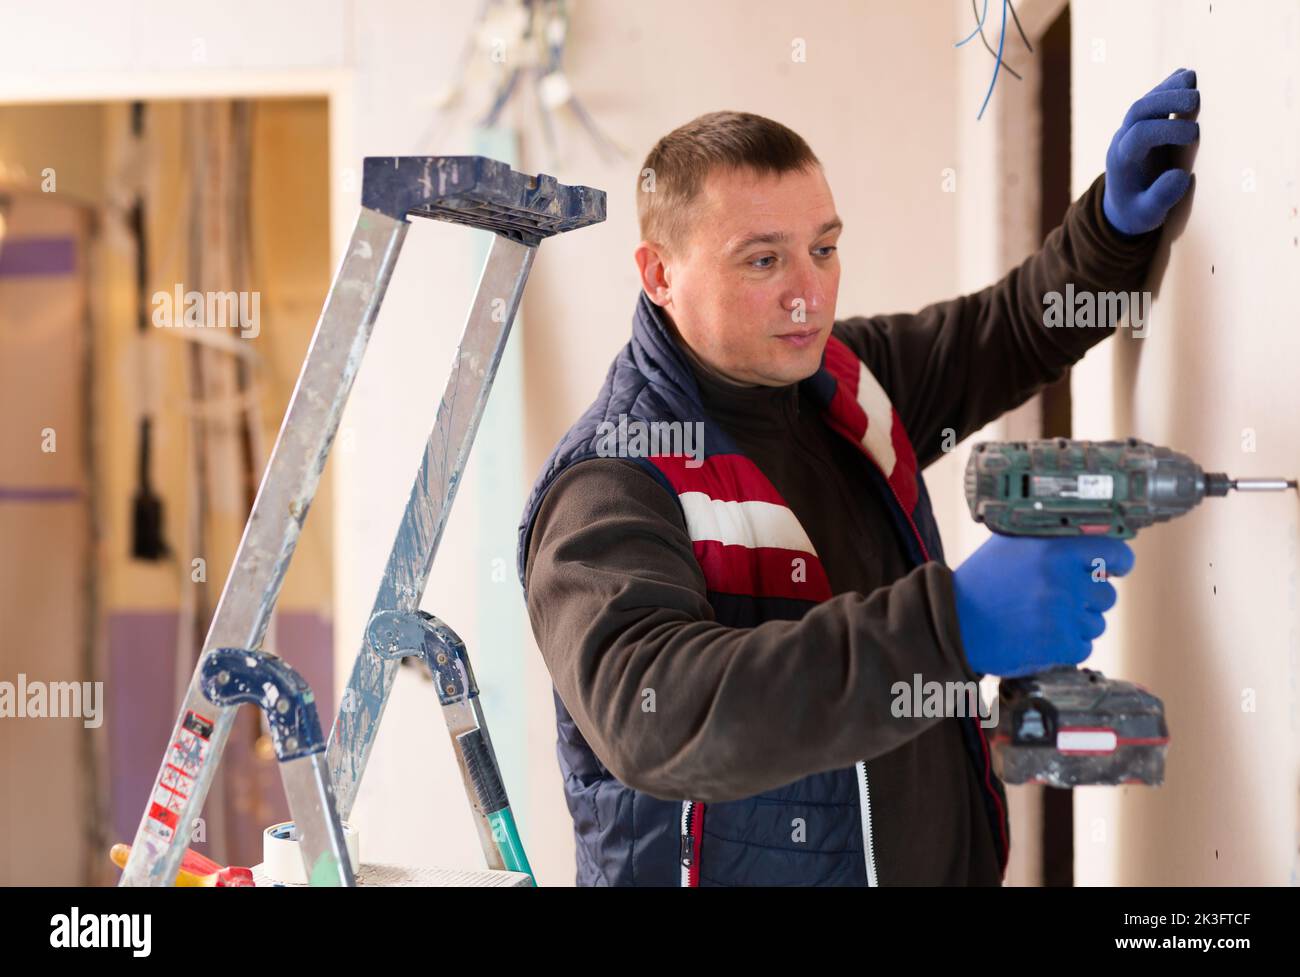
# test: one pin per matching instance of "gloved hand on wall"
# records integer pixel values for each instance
(1026, 603)
(1142, 184)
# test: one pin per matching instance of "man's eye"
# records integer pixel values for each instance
(829, 249)
(755, 262)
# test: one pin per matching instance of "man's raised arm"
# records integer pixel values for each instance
(956, 365)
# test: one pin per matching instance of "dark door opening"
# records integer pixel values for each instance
(1054, 180)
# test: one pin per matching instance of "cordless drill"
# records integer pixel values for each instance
(1069, 726)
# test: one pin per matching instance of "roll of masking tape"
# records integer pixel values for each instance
(282, 856)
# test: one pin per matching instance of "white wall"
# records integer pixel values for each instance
(1208, 618)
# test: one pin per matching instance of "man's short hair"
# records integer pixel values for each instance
(673, 175)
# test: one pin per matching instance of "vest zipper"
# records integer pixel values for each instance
(692, 836)
(868, 845)
(1005, 851)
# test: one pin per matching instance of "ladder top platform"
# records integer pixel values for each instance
(478, 192)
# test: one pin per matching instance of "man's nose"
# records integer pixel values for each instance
(808, 289)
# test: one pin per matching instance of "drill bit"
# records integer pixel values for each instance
(1217, 483)
(1263, 484)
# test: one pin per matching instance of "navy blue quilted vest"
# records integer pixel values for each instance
(626, 837)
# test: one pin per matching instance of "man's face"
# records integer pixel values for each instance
(754, 293)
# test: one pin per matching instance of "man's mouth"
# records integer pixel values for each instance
(800, 339)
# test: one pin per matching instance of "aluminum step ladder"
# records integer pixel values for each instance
(322, 785)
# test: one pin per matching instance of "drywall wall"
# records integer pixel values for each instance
(1208, 618)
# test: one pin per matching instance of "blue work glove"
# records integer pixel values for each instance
(1142, 184)
(1025, 604)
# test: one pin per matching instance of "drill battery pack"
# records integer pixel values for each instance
(1073, 727)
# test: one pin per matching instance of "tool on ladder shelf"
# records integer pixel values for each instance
(475, 191)
(392, 636)
(197, 870)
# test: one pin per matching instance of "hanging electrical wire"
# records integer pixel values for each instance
(980, 17)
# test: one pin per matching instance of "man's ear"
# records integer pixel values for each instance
(651, 263)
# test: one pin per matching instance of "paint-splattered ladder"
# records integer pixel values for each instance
(321, 786)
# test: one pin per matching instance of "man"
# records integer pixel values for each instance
(725, 615)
